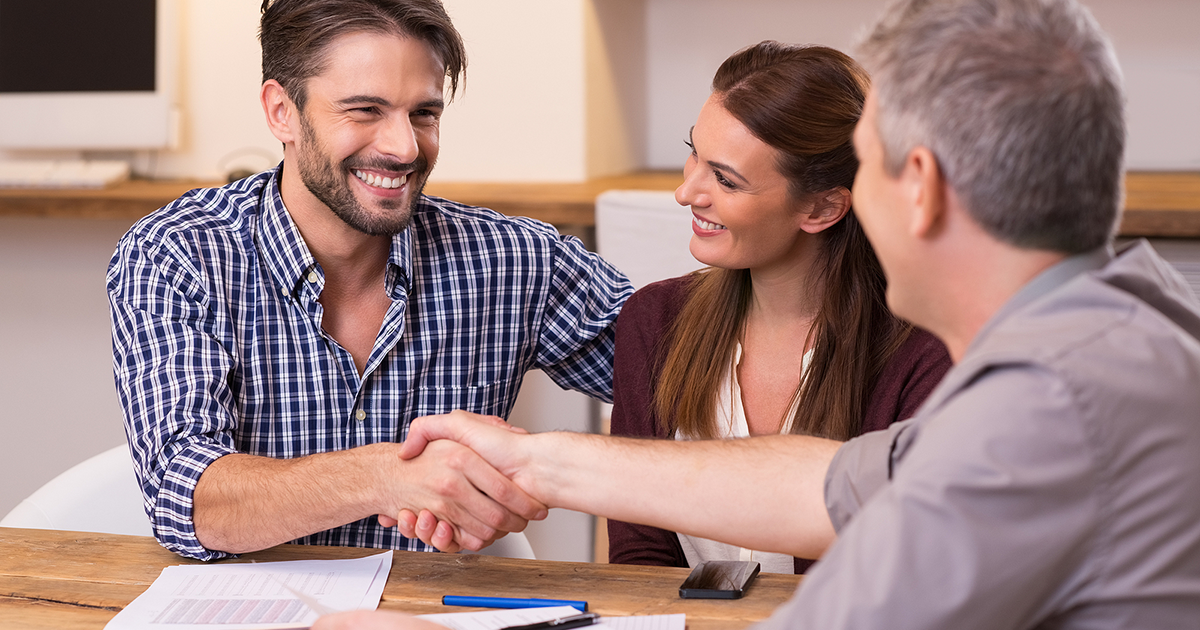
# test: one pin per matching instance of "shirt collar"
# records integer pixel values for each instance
(291, 262)
(284, 249)
(399, 272)
(1045, 282)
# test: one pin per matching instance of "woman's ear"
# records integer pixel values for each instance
(828, 208)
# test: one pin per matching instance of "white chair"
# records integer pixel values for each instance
(97, 495)
(514, 545)
(645, 234)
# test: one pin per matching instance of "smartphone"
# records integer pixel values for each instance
(719, 579)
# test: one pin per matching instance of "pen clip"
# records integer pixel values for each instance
(561, 623)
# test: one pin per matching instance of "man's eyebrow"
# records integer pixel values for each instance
(436, 103)
(362, 98)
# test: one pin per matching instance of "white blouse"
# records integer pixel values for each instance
(731, 423)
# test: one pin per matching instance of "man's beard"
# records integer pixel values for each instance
(327, 182)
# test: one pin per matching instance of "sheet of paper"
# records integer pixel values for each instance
(496, 619)
(645, 622)
(256, 596)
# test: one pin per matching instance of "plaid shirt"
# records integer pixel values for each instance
(218, 346)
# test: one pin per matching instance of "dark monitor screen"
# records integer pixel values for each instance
(77, 46)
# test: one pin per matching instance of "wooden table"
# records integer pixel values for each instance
(1157, 204)
(73, 580)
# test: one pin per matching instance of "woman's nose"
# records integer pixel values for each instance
(691, 192)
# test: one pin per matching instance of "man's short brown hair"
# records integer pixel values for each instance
(296, 34)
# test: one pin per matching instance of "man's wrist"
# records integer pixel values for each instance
(372, 464)
(550, 462)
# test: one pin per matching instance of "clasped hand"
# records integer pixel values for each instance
(509, 505)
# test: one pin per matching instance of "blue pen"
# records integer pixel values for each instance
(510, 602)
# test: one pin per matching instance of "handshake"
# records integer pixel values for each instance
(501, 496)
(724, 490)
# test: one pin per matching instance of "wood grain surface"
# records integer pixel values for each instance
(74, 580)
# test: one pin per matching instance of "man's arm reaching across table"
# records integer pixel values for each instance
(719, 489)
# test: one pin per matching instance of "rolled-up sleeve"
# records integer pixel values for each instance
(859, 470)
(171, 372)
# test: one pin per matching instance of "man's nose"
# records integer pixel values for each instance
(398, 139)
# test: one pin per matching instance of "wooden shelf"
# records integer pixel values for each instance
(1162, 204)
(1157, 204)
(128, 200)
(560, 204)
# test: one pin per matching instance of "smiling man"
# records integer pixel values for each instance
(273, 339)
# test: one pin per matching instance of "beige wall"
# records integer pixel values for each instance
(560, 90)
(521, 116)
(1158, 45)
(57, 401)
(1156, 41)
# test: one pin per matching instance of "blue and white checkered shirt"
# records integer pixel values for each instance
(218, 346)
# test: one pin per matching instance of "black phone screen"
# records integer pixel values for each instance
(719, 579)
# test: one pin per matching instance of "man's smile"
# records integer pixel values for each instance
(379, 181)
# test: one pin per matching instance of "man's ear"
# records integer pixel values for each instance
(922, 177)
(282, 117)
(829, 208)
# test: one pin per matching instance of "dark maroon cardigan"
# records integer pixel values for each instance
(908, 378)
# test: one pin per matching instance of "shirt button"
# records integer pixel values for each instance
(283, 291)
(312, 276)
(361, 415)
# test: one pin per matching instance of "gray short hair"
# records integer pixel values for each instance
(1021, 102)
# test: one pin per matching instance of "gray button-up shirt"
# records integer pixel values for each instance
(1052, 480)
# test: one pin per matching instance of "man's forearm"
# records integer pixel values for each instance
(762, 493)
(245, 503)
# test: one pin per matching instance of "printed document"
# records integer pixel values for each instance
(257, 596)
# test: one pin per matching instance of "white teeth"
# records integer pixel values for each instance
(381, 182)
(705, 225)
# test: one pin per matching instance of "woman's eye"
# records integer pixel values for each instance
(690, 147)
(722, 180)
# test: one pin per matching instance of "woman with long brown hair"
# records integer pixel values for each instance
(787, 329)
